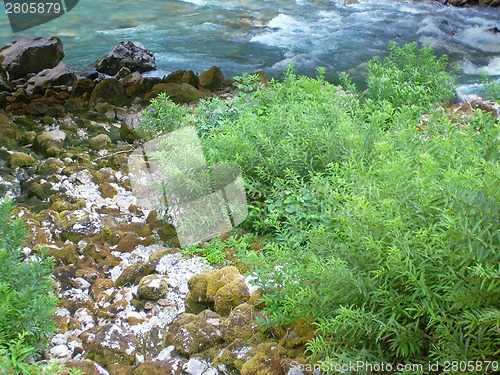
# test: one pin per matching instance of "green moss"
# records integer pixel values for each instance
(20, 159)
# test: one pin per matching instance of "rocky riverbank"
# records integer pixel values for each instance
(129, 302)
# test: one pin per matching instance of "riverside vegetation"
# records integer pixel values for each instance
(379, 213)
(381, 208)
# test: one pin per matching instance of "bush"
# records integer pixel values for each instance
(395, 259)
(491, 88)
(26, 299)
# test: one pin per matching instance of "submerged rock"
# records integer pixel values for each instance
(31, 55)
(133, 56)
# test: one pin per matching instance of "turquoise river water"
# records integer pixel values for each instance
(245, 36)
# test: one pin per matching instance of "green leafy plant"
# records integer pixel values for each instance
(26, 299)
(491, 88)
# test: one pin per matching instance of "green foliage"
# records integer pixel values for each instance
(491, 89)
(26, 299)
(410, 76)
(404, 264)
(163, 117)
(216, 251)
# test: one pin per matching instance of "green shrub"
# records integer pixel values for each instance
(404, 264)
(491, 88)
(26, 299)
(410, 76)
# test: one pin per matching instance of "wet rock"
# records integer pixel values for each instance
(178, 92)
(60, 75)
(212, 79)
(110, 91)
(83, 88)
(239, 324)
(113, 344)
(134, 273)
(171, 366)
(196, 333)
(20, 159)
(50, 143)
(133, 56)
(182, 76)
(88, 367)
(31, 55)
(99, 142)
(153, 287)
(267, 359)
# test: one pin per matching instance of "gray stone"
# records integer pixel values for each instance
(133, 56)
(60, 75)
(31, 55)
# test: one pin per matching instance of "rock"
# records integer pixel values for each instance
(50, 143)
(4, 83)
(99, 142)
(100, 285)
(67, 254)
(231, 295)
(37, 108)
(83, 88)
(110, 91)
(196, 299)
(195, 333)
(112, 344)
(128, 243)
(297, 334)
(31, 55)
(20, 159)
(122, 73)
(239, 324)
(153, 287)
(47, 78)
(171, 366)
(134, 273)
(267, 359)
(133, 56)
(49, 166)
(218, 279)
(87, 367)
(182, 76)
(212, 79)
(178, 92)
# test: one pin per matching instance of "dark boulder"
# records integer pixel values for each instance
(133, 56)
(212, 79)
(110, 91)
(178, 92)
(182, 76)
(82, 88)
(60, 75)
(31, 55)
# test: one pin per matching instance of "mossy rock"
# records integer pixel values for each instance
(196, 333)
(157, 255)
(99, 142)
(50, 143)
(212, 79)
(82, 87)
(128, 243)
(67, 254)
(267, 359)
(49, 166)
(239, 324)
(87, 367)
(110, 91)
(100, 285)
(134, 273)
(297, 334)
(234, 355)
(196, 299)
(20, 159)
(182, 76)
(107, 190)
(178, 92)
(60, 203)
(128, 134)
(111, 345)
(231, 295)
(153, 287)
(218, 279)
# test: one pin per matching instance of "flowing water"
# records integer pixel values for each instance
(249, 35)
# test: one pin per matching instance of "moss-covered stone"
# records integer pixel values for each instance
(178, 92)
(231, 295)
(50, 143)
(83, 88)
(196, 299)
(182, 76)
(212, 79)
(112, 345)
(99, 142)
(218, 279)
(110, 91)
(67, 254)
(107, 190)
(87, 367)
(240, 323)
(267, 359)
(153, 287)
(134, 273)
(195, 333)
(171, 366)
(49, 166)
(157, 255)
(20, 159)
(234, 355)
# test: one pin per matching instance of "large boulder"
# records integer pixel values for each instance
(131, 55)
(49, 143)
(110, 91)
(83, 88)
(212, 79)
(178, 92)
(182, 76)
(31, 55)
(47, 78)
